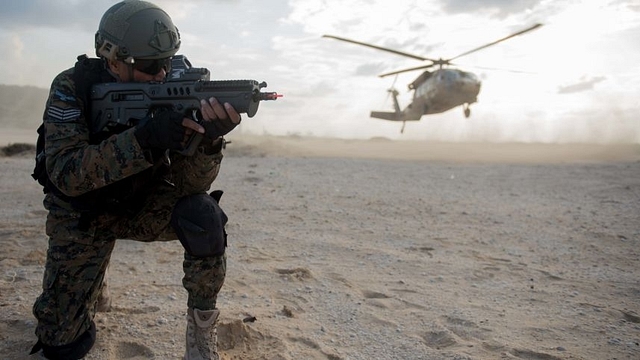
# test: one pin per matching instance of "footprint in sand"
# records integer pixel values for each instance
(456, 331)
(295, 274)
(532, 355)
(236, 337)
(131, 350)
(378, 299)
(374, 295)
(439, 339)
(453, 331)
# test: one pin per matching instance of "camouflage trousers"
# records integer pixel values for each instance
(78, 256)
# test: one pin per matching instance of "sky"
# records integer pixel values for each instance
(575, 79)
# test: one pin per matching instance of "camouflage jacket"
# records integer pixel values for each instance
(74, 164)
(87, 171)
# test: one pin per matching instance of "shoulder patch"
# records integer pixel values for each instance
(59, 95)
(57, 114)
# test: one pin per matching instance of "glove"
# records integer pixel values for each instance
(218, 127)
(163, 131)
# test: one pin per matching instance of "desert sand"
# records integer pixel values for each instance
(376, 249)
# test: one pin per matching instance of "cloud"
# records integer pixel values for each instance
(371, 69)
(501, 8)
(71, 14)
(583, 85)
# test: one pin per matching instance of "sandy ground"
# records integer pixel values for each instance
(376, 250)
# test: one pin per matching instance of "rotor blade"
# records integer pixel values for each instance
(406, 70)
(498, 41)
(391, 89)
(379, 48)
(499, 69)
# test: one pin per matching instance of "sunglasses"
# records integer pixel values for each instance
(152, 66)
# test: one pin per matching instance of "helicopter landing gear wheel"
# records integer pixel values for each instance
(467, 110)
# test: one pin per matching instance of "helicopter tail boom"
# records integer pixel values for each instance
(392, 116)
(397, 115)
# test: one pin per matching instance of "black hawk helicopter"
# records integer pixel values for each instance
(433, 91)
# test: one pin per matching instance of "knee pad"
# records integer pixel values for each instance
(73, 351)
(199, 223)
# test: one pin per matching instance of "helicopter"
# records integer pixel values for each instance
(434, 91)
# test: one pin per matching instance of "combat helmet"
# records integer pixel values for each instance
(135, 29)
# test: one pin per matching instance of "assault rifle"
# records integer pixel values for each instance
(115, 106)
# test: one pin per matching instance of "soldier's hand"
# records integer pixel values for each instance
(166, 130)
(219, 119)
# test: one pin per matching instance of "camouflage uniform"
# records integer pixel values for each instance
(82, 236)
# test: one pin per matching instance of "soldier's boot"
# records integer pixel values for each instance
(202, 335)
(104, 298)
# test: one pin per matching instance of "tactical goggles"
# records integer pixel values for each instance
(152, 66)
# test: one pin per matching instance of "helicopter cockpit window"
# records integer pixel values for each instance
(421, 90)
(469, 75)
